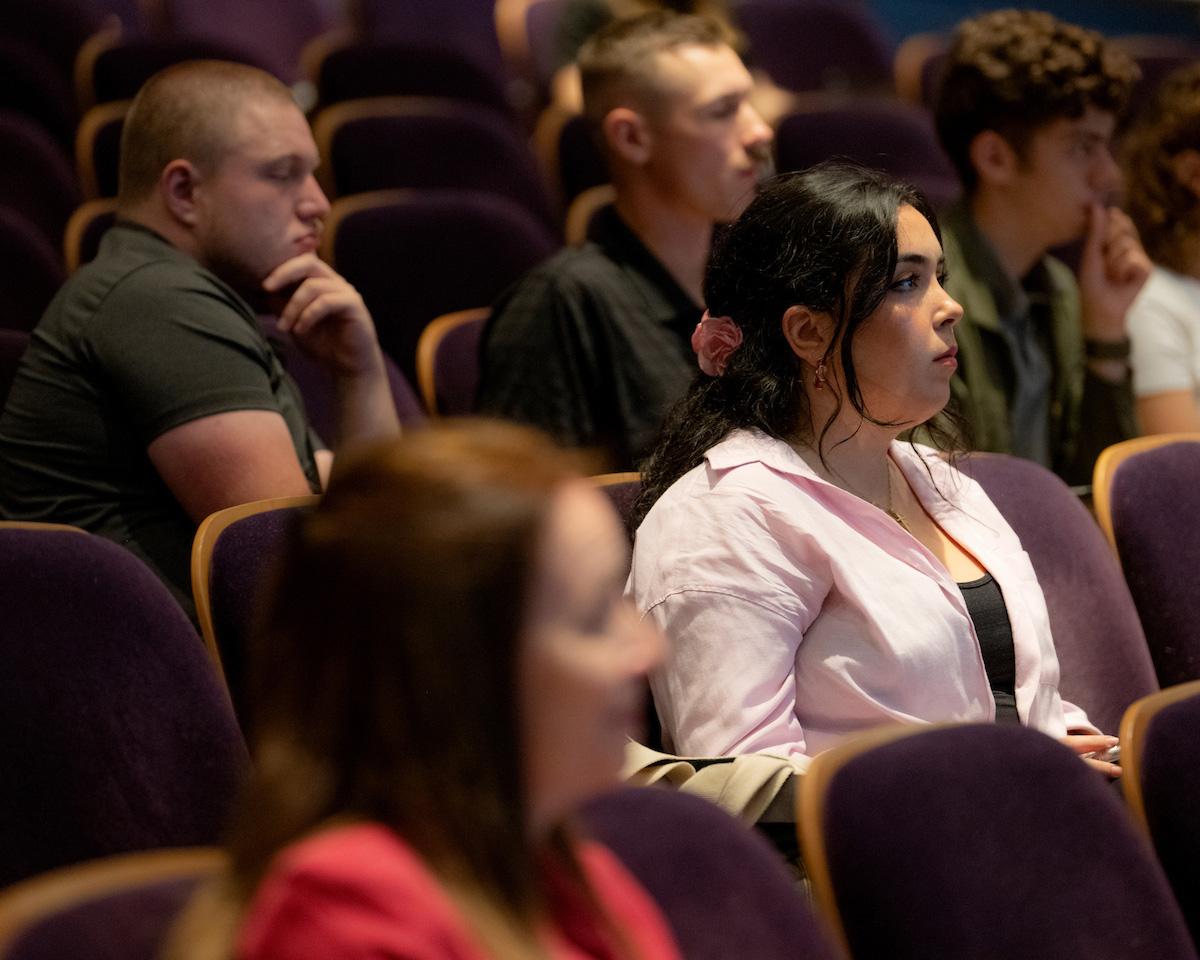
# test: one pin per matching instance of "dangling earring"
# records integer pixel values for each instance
(819, 381)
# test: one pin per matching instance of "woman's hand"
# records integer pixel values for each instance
(1083, 743)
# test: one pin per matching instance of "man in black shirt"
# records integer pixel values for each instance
(594, 345)
(147, 398)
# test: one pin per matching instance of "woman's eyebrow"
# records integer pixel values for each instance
(918, 259)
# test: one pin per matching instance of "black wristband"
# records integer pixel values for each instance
(1106, 349)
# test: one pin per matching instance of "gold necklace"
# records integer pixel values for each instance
(889, 509)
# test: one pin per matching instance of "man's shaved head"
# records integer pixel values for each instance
(188, 111)
(618, 66)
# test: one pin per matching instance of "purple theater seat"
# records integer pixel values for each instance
(1170, 782)
(127, 925)
(12, 347)
(119, 71)
(1101, 647)
(622, 491)
(320, 393)
(30, 84)
(542, 19)
(98, 148)
(581, 163)
(273, 32)
(818, 44)
(377, 68)
(1154, 503)
(425, 142)
(450, 375)
(990, 843)
(723, 889)
(241, 559)
(54, 28)
(466, 26)
(31, 271)
(36, 177)
(117, 733)
(892, 136)
(415, 255)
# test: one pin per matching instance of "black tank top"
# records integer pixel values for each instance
(985, 604)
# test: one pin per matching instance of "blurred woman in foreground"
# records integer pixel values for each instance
(447, 670)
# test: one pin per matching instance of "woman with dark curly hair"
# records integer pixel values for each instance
(1162, 162)
(815, 575)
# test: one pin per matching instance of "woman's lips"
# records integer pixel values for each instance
(948, 358)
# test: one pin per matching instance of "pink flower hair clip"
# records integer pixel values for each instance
(713, 340)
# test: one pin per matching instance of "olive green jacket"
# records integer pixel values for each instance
(1086, 413)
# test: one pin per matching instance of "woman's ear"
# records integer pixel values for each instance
(807, 333)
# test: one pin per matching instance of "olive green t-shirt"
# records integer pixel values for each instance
(139, 341)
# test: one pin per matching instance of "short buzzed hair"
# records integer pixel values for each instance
(186, 112)
(1014, 71)
(617, 64)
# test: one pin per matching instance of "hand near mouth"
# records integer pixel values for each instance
(326, 316)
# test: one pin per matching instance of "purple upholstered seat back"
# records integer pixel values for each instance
(241, 559)
(119, 71)
(31, 271)
(377, 68)
(893, 136)
(1171, 794)
(623, 496)
(991, 843)
(817, 44)
(466, 26)
(37, 179)
(319, 391)
(433, 252)
(542, 20)
(1101, 648)
(115, 732)
(1155, 507)
(273, 32)
(435, 142)
(129, 925)
(456, 368)
(723, 889)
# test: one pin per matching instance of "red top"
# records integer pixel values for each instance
(360, 893)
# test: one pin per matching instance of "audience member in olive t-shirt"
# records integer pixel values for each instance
(147, 398)
(141, 340)
(593, 345)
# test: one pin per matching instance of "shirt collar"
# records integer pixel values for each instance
(619, 242)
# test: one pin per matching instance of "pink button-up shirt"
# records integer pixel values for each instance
(798, 612)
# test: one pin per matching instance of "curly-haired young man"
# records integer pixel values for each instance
(1027, 111)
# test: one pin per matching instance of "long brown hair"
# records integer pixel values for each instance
(384, 678)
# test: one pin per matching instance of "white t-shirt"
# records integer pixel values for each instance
(1164, 328)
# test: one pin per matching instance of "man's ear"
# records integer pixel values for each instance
(627, 135)
(995, 161)
(1185, 166)
(177, 185)
(807, 332)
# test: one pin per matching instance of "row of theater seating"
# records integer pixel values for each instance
(936, 843)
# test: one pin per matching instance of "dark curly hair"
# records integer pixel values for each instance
(1014, 71)
(824, 238)
(1166, 212)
